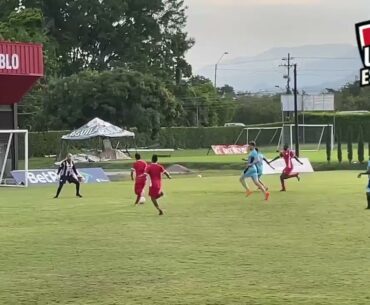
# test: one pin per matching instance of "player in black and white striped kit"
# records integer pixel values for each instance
(68, 173)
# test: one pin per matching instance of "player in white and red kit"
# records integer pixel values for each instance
(155, 172)
(138, 169)
(288, 155)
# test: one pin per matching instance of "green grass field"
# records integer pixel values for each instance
(213, 246)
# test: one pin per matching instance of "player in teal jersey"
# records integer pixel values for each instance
(368, 184)
(259, 165)
(251, 172)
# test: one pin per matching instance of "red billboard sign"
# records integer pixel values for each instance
(21, 65)
(230, 149)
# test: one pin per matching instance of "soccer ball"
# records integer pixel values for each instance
(142, 200)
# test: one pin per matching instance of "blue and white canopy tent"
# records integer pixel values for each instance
(101, 134)
(97, 128)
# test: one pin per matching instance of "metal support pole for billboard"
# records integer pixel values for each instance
(15, 155)
(296, 137)
(2, 173)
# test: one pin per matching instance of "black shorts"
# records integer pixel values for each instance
(69, 179)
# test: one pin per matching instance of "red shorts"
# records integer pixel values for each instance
(139, 187)
(288, 170)
(155, 192)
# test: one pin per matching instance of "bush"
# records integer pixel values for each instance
(194, 138)
(45, 143)
(349, 145)
(361, 149)
(339, 148)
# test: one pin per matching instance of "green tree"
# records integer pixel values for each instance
(227, 91)
(349, 145)
(339, 146)
(202, 104)
(125, 98)
(258, 110)
(361, 148)
(146, 35)
(27, 25)
(7, 7)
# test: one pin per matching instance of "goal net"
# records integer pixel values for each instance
(270, 138)
(311, 137)
(14, 151)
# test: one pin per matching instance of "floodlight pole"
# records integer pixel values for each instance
(216, 68)
(296, 134)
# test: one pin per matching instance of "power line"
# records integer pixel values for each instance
(251, 71)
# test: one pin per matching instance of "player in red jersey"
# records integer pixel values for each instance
(288, 155)
(138, 169)
(155, 171)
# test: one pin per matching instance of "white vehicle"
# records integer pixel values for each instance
(234, 125)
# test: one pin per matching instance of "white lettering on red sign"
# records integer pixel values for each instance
(9, 62)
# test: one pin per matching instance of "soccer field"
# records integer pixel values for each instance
(213, 246)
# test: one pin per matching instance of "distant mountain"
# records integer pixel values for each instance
(319, 67)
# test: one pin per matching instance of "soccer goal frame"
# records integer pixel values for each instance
(323, 126)
(12, 133)
(278, 132)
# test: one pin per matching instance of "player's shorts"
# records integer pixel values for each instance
(288, 170)
(139, 187)
(250, 173)
(155, 192)
(259, 172)
(69, 179)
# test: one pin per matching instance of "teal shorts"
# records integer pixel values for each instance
(259, 172)
(250, 173)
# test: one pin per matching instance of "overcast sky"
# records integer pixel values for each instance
(248, 27)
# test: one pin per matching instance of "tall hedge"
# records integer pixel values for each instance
(349, 145)
(193, 138)
(339, 146)
(328, 144)
(341, 120)
(45, 143)
(360, 148)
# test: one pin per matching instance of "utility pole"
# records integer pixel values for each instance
(296, 134)
(288, 65)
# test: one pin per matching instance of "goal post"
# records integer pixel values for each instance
(13, 142)
(263, 136)
(311, 136)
